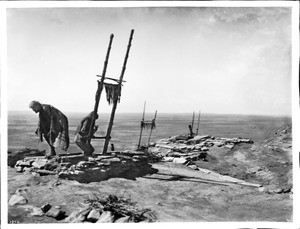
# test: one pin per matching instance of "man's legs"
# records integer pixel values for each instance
(87, 148)
(50, 152)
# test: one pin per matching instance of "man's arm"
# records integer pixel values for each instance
(38, 130)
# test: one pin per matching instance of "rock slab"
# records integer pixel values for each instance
(106, 217)
(17, 199)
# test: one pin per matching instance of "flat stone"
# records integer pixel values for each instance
(164, 146)
(106, 217)
(275, 191)
(111, 160)
(154, 150)
(195, 167)
(174, 154)
(229, 146)
(73, 158)
(85, 164)
(24, 163)
(179, 160)
(17, 199)
(124, 219)
(198, 139)
(168, 159)
(205, 171)
(39, 163)
(34, 158)
(91, 159)
(219, 144)
(55, 213)
(78, 172)
(37, 212)
(104, 157)
(132, 152)
(181, 147)
(46, 207)
(204, 148)
(95, 169)
(94, 215)
(226, 139)
(78, 216)
(245, 140)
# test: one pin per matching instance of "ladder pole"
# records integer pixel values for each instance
(198, 122)
(99, 90)
(139, 144)
(151, 128)
(112, 116)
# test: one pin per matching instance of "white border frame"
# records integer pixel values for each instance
(71, 4)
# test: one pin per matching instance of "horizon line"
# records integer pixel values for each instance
(196, 113)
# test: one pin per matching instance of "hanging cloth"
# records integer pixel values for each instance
(148, 124)
(112, 92)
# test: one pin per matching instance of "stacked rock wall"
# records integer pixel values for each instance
(128, 164)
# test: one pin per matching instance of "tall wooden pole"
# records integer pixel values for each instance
(151, 128)
(198, 122)
(115, 102)
(139, 144)
(99, 89)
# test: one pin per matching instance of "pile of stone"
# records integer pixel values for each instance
(108, 209)
(111, 209)
(127, 164)
(183, 149)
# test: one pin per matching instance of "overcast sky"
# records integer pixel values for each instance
(219, 60)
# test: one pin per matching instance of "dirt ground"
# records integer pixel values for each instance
(177, 193)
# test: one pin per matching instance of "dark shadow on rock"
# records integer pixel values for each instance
(61, 216)
(98, 176)
(13, 157)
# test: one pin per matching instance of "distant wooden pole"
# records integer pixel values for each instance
(191, 131)
(99, 89)
(198, 122)
(139, 144)
(193, 120)
(151, 128)
(115, 102)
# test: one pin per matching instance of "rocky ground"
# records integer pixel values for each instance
(191, 179)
